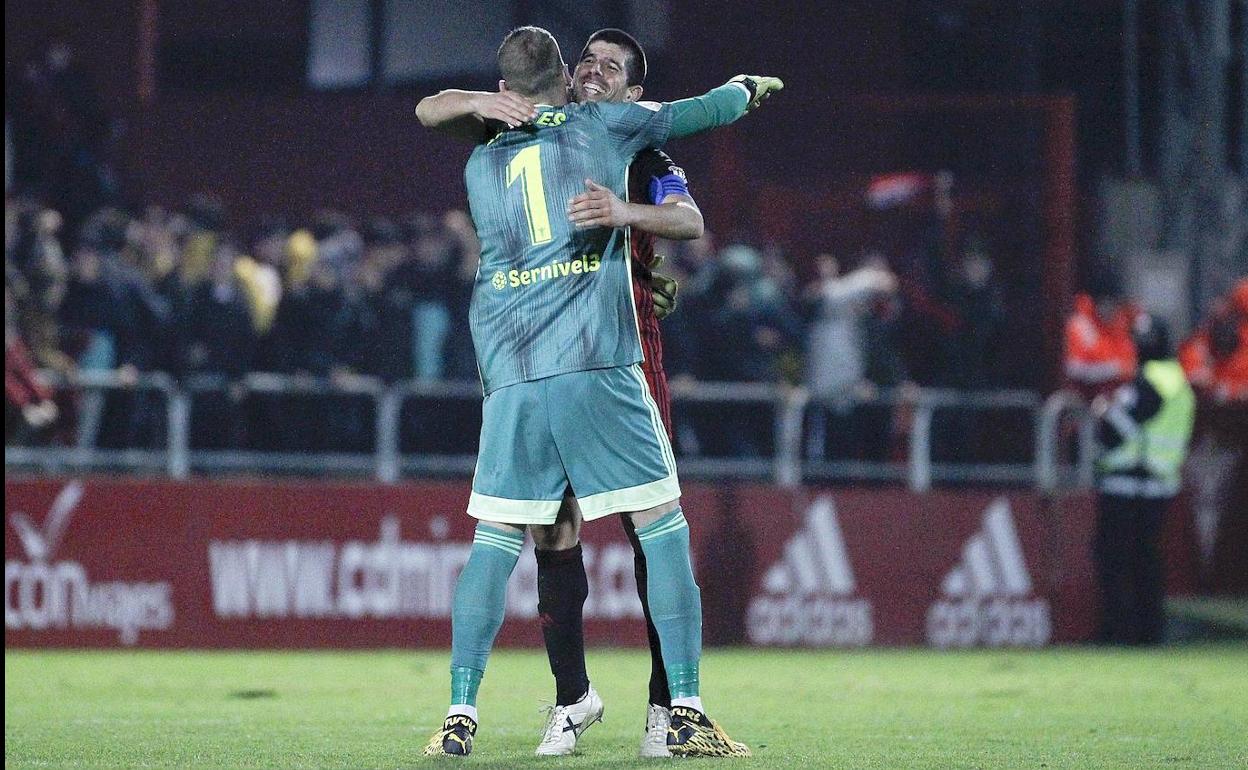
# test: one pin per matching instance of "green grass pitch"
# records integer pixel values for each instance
(1180, 707)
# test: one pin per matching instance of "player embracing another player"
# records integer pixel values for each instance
(572, 428)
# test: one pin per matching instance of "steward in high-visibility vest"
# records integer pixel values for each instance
(1145, 426)
(1152, 421)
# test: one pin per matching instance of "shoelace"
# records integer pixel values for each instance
(658, 732)
(659, 725)
(556, 717)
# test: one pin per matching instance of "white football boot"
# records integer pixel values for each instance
(566, 723)
(654, 742)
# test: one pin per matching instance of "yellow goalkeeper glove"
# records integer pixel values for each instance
(759, 86)
(664, 289)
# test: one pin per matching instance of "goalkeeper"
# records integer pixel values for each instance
(611, 68)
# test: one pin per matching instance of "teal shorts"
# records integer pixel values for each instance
(595, 433)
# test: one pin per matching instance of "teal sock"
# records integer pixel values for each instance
(477, 611)
(675, 601)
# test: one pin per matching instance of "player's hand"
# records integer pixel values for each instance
(760, 88)
(598, 206)
(664, 288)
(506, 107)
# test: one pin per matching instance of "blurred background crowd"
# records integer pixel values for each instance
(176, 290)
(194, 287)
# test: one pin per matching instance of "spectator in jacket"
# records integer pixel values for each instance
(218, 343)
(839, 304)
(28, 404)
(1099, 355)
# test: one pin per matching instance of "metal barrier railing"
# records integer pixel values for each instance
(1050, 474)
(920, 472)
(790, 407)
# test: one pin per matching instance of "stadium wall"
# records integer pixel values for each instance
(212, 564)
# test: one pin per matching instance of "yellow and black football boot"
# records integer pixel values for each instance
(454, 739)
(692, 734)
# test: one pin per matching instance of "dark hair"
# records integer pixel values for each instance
(1151, 336)
(530, 62)
(382, 231)
(636, 63)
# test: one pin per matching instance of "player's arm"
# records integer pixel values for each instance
(464, 114)
(721, 106)
(637, 125)
(669, 211)
(676, 217)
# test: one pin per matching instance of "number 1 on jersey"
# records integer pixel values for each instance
(527, 166)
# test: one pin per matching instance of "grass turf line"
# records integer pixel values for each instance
(1180, 707)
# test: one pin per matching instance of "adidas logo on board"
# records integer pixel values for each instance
(987, 598)
(808, 596)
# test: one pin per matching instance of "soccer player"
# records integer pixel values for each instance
(611, 68)
(566, 406)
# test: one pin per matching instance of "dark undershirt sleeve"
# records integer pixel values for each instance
(1147, 403)
(656, 176)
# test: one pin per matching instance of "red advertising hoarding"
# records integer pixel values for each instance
(222, 564)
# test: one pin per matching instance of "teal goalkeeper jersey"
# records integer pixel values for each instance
(549, 298)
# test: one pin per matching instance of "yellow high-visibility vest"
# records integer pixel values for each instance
(1159, 447)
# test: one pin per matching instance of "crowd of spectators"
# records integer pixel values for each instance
(177, 292)
(183, 292)
(203, 295)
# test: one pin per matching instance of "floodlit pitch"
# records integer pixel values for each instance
(1056, 708)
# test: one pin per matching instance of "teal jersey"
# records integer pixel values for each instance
(550, 299)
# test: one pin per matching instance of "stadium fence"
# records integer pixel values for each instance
(999, 417)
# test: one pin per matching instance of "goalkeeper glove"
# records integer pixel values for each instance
(664, 289)
(759, 86)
